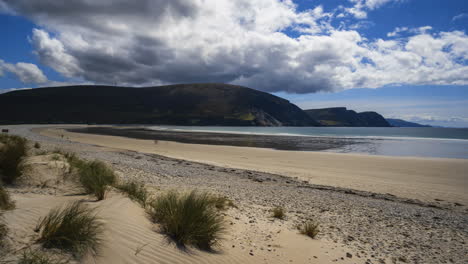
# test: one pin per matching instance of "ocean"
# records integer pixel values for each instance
(388, 141)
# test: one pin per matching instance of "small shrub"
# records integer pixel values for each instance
(189, 219)
(3, 232)
(278, 212)
(309, 229)
(74, 228)
(55, 157)
(37, 145)
(96, 177)
(5, 200)
(71, 157)
(37, 257)
(221, 202)
(136, 191)
(12, 154)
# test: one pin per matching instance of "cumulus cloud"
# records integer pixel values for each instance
(25, 72)
(151, 42)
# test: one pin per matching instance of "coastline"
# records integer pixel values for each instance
(425, 179)
(355, 226)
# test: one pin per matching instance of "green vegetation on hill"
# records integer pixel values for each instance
(182, 104)
(403, 123)
(342, 117)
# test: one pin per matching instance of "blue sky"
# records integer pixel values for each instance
(402, 58)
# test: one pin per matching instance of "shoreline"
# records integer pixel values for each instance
(425, 179)
(355, 226)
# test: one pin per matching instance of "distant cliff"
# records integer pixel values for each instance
(184, 104)
(403, 123)
(340, 116)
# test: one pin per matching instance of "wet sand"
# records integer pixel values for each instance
(279, 142)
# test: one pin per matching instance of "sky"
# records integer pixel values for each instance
(402, 58)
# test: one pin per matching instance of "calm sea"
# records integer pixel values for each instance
(393, 141)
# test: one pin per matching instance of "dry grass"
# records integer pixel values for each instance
(5, 200)
(222, 202)
(74, 228)
(38, 257)
(72, 158)
(309, 229)
(279, 212)
(136, 191)
(94, 176)
(3, 233)
(189, 219)
(12, 154)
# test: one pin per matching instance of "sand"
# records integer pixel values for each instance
(355, 226)
(130, 237)
(426, 179)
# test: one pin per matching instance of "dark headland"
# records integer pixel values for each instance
(182, 104)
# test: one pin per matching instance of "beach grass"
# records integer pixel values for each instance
(137, 191)
(189, 218)
(5, 200)
(309, 229)
(96, 178)
(71, 157)
(3, 232)
(37, 257)
(13, 150)
(37, 145)
(74, 228)
(279, 212)
(222, 202)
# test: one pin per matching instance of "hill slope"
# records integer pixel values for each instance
(403, 123)
(184, 104)
(340, 116)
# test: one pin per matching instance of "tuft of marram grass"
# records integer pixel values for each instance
(74, 228)
(309, 229)
(3, 232)
(5, 200)
(221, 202)
(72, 158)
(12, 153)
(136, 191)
(96, 178)
(279, 212)
(189, 219)
(38, 257)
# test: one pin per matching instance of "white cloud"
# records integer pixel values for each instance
(236, 41)
(25, 72)
(360, 7)
(460, 16)
(397, 31)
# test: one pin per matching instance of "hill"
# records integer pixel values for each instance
(403, 123)
(342, 117)
(183, 104)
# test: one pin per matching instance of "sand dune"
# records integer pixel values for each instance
(130, 237)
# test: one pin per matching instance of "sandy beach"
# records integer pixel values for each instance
(425, 179)
(371, 210)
